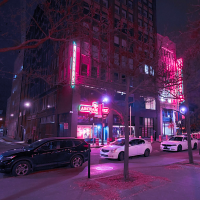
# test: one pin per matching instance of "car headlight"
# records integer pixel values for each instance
(113, 150)
(7, 158)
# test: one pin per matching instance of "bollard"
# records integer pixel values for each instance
(108, 141)
(192, 136)
(198, 136)
(97, 142)
(160, 138)
(151, 138)
(89, 160)
(166, 137)
(140, 136)
(115, 139)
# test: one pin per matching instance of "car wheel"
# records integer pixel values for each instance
(121, 156)
(146, 153)
(195, 146)
(21, 168)
(179, 148)
(76, 161)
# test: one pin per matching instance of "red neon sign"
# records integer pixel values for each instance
(94, 108)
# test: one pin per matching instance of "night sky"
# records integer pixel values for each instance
(171, 18)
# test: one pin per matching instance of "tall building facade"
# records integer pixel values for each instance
(103, 46)
(172, 92)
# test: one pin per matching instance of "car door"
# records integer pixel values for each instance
(184, 143)
(46, 154)
(133, 150)
(141, 147)
(64, 151)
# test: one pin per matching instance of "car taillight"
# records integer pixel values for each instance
(86, 145)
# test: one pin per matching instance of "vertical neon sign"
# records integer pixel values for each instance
(73, 66)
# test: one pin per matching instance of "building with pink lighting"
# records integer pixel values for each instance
(73, 77)
(172, 93)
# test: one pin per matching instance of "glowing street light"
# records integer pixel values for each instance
(183, 110)
(105, 99)
(27, 104)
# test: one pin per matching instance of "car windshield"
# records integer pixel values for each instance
(119, 142)
(34, 145)
(176, 139)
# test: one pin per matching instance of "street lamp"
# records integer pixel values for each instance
(105, 99)
(27, 104)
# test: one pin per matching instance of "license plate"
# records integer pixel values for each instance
(103, 155)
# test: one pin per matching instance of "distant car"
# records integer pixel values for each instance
(45, 152)
(115, 150)
(178, 143)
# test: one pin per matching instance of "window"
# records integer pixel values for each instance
(84, 70)
(94, 72)
(150, 29)
(123, 61)
(140, 10)
(115, 76)
(117, 9)
(150, 17)
(116, 40)
(116, 23)
(145, 38)
(140, 35)
(49, 146)
(66, 144)
(124, 29)
(97, 1)
(104, 54)
(145, 25)
(145, 13)
(141, 121)
(140, 22)
(97, 17)
(150, 5)
(131, 32)
(146, 69)
(103, 74)
(130, 17)
(150, 103)
(151, 71)
(105, 3)
(116, 58)
(95, 52)
(130, 4)
(86, 49)
(124, 2)
(124, 13)
(123, 43)
(141, 142)
(77, 142)
(130, 63)
(123, 79)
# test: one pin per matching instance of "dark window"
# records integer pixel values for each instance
(97, 17)
(77, 142)
(130, 4)
(141, 121)
(124, 29)
(94, 72)
(123, 79)
(103, 74)
(145, 38)
(116, 77)
(66, 143)
(49, 146)
(117, 9)
(133, 142)
(140, 36)
(84, 70)
(131, 32)
(116, 23)
(141, 142)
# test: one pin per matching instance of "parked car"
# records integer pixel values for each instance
(115, 150)
(178, 143)
(45, 152)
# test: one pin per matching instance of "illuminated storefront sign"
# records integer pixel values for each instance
(73, 69)
(94, 108)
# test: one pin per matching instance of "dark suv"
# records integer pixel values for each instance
(45, 152)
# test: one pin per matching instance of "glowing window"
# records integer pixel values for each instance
(146, 69)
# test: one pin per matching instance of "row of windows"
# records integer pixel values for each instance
(145, 13)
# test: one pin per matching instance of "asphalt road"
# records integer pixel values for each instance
(12, 188)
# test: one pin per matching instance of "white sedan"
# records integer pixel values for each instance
(115, 150)
(178, 143)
